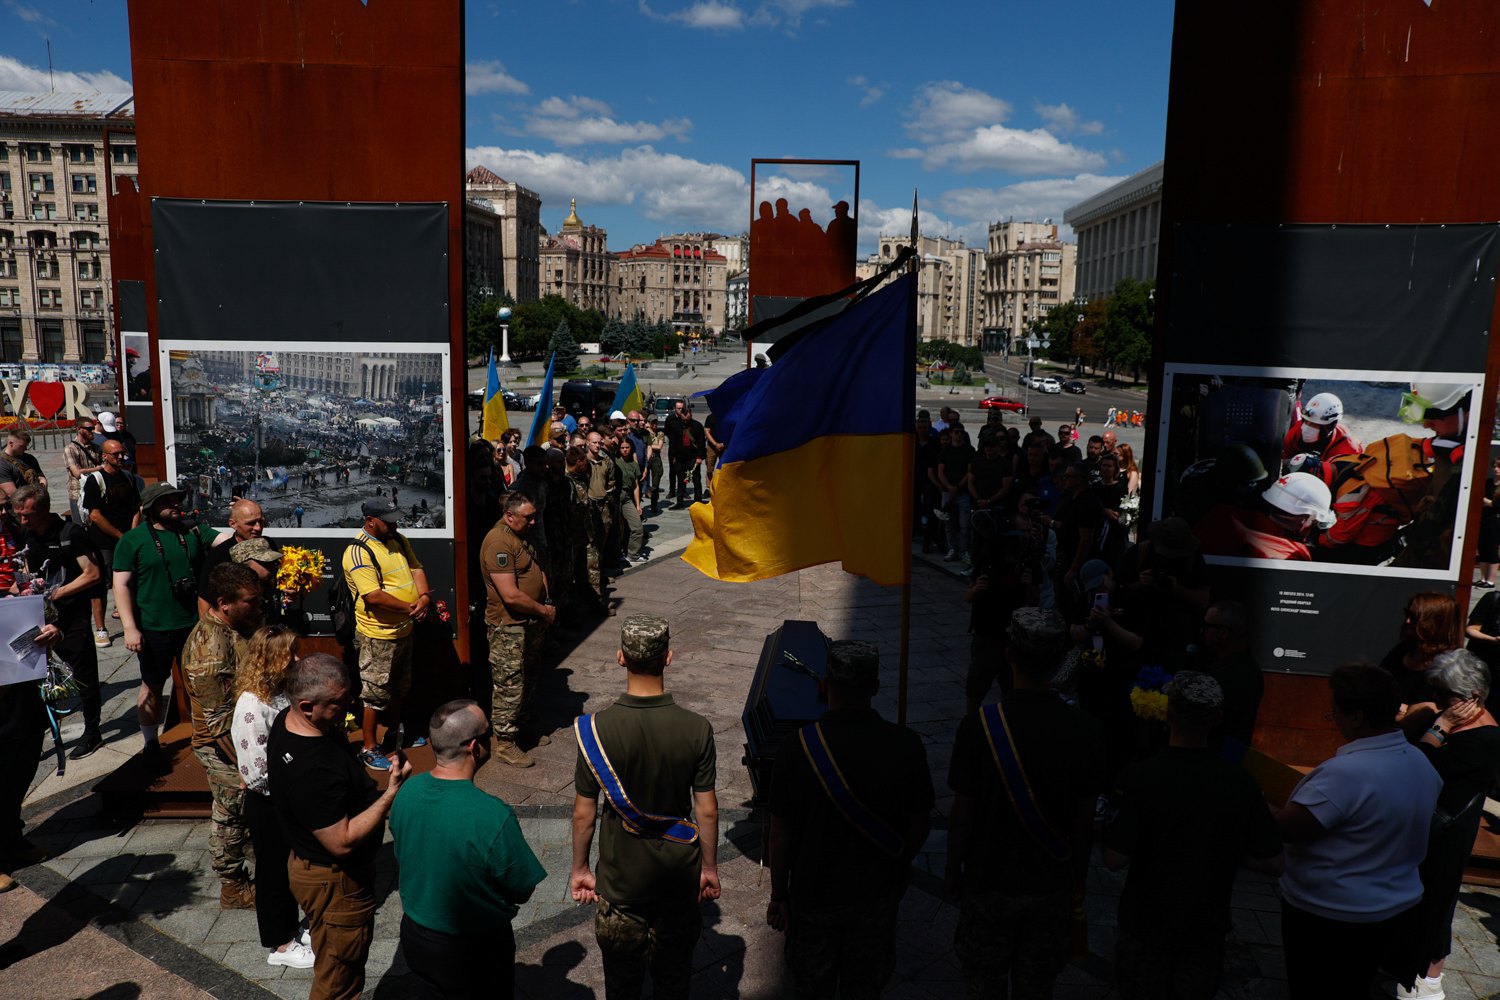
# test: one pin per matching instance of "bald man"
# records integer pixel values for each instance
(246, 521)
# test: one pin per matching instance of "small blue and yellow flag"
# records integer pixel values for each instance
(628, 396)
(496, 422)
(817, 463)
(543, 417)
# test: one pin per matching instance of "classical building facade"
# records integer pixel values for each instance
(950, 286)
(1118, 232)
(680, 280)
(576, 265)
(520, 220)
(735, 249)
(1028, 271)
(55, 175)
(484, 258)
(374, 375)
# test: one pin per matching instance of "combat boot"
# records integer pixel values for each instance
(507, 752)
(237, 894)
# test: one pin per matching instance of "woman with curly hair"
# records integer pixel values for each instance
(261, 682)
(1433, 625)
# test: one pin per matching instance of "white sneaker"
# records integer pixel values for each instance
(1422, 989)
(296, 956)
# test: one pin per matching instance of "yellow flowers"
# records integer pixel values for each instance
(300, 572)
(1149, 704)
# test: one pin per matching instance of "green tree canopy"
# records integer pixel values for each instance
(564, 347)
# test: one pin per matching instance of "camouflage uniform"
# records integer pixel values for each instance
(604, 484)
(640, 939)
(515, 638)
(209, 658)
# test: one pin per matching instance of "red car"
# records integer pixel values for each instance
(1002, 403)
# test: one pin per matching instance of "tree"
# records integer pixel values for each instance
(588, 325)
(533, 323)
(1059, 328)
(564, 347)
(1128, 328)
(612, 339)
(637, 340)
(481, 325)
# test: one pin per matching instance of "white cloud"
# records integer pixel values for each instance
(16, 75)
(680, 192)
(711, 15)
(1010, 151)
(29, 15)
(488, 76)
(582, 121)
(875, 222)
(1064, 120)
(1028, 200)
(871, 93)
(945, 110)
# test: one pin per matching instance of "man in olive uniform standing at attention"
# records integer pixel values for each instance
(604, 484)
(585, 531)
(517, 614)
(839, 943)
(655, 764)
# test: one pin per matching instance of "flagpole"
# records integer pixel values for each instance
(908, 466)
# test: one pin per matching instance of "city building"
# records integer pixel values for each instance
(1028, 270)
(1117, 231)
(520, 215)
(376, 375)
(736, 251)
(950, 286)
(737, 302)
(681, 280)
(576, 265)
(484, 258)
(60, 156)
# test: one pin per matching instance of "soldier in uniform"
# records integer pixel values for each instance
(516, 617)
(586, 531)
(210, 657)
(604, 486)
(837, 943)
(655, 764)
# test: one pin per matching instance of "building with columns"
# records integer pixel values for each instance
(484, 259)
(576, 265)
(373, 375)
(681, 280)
(519, 211)
(56, 171)
(1028, 271)
(1118, 233)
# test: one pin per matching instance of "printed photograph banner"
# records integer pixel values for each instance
(1325, 492)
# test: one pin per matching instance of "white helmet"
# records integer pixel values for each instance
(1323, 409)
(1441, 395)
(1300, 494)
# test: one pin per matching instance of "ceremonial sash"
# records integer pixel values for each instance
(844, 799)
(641, 824)
(1013, 777)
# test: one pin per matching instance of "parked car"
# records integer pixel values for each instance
(1022, 378)
(1002, 403)
(1050, 385)
(1034, 381)
(581, 395)
(1074, 386)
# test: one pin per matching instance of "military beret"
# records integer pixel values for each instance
(853, 660)
(644, 637)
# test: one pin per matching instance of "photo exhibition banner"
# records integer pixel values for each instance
(304, 363)
(1318, 429)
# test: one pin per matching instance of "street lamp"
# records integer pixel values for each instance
(503, 315)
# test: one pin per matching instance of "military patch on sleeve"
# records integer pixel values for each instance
(502, 559)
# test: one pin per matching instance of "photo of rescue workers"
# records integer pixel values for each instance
(1361, 471)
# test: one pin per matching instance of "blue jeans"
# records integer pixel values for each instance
(958, 523)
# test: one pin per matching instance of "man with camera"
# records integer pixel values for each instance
(156, 565)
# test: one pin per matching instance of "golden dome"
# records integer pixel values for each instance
(572, 221)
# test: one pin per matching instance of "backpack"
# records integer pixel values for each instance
(341, 600)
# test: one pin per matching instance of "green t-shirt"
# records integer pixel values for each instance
(662, 754)
(135, 553)
(630, 474)
(461, 853)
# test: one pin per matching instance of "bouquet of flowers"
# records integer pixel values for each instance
(1130, 510)
(299, 574)
(1148, 699)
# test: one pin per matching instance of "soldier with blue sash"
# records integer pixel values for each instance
(851, 802)
(1025, 775)
(654, 763)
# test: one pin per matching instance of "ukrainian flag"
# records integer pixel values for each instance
(496, 422)
(628, 396)
(819, 455)
(542, 419)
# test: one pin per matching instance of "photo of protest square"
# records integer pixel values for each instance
(1364, 472)
(310, 431)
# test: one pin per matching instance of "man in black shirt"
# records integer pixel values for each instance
(1187, 820)
(837, 941)
(672, 428)
(60, 551)
(1226, 635)
(17, 468)
(1079, 522)
(113, 505)
(334, 817)
(1019, 881)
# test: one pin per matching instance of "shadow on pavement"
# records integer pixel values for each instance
(550, 978)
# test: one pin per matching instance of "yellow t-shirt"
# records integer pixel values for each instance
(396, 562)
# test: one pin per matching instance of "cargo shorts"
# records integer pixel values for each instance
(384, 670)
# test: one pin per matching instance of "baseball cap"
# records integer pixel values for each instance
(382, 508)
(254, 550)
(107, 421)
(1092, 573)
(644, 637)
(157, 491)
(853, 660)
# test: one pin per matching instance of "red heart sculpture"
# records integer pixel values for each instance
(47, 397)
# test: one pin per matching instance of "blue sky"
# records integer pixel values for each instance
(650, 111)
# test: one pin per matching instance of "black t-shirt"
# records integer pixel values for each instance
(1413, 683)
(885, 767)
(990, 474)
(956, 461)
(1062, 752)
(19, 470)
(1486, 615)
(1240, 677)
(315, 782)
(1076, 513)
(114, 495)
(929, 453)
(1187, 818)
(59, 550)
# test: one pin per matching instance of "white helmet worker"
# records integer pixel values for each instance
(1302, 494)
(1432, 398)
(1323, 409)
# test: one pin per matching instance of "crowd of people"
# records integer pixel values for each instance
(1076, 622)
